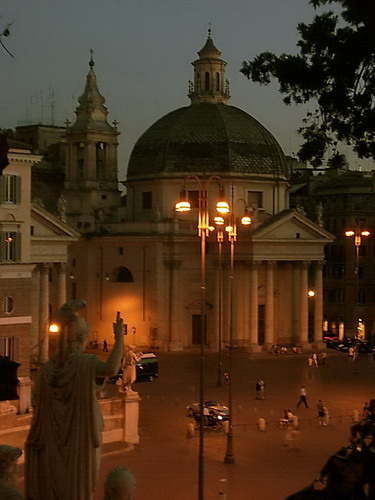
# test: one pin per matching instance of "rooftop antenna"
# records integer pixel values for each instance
(41, 107)
(209, 29)
(52, 106)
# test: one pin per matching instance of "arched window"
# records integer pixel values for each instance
(217, 82)
(123, 275)
(8, 305)
(100, 160)
(198, 89)
(207, 81)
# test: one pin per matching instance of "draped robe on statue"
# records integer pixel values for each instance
(65, 433)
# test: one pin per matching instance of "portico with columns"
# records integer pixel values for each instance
(49, 252)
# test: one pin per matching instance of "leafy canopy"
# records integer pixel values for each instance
(335, 68)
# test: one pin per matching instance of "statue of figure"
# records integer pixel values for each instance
(63, 446)
(119, 485)
(8, 473)
(129, 373)
(319, 214)
(299, 208)
(61, 207)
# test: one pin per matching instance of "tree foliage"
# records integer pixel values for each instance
(335, 68)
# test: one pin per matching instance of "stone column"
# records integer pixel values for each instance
(246, 304)
(295, 286)
(43, 312)
(318, 303)
(175, 306)
(254, 346)
(303, 304)
(61, 284)
(269, 312)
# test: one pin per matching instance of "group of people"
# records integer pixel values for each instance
(350, 470)
(317, 359)
(277, 349)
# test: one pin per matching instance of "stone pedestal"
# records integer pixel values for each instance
(24, 390)
(131, 417)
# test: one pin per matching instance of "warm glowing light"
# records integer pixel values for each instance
(54, 328)
(349, 233)
(211, 228)
(222, 207)
(229, 229)
(246, 220)
(311, 293)
(183, 206)
(365, 233)
(219, 221)
(9, 239)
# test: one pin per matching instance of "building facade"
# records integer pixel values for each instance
(146, 261)
(343, 200)
(33, 255)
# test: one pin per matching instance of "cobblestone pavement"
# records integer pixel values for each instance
(165, 462)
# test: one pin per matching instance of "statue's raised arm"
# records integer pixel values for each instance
(112, 365)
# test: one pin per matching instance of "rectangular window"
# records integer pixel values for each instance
(361, 296)
(193, 199)
(120, 250)
(10, 246)
(10, 189)
(338, 271)
(255, 199)
(7, 347)
(147, 200)
(341, 296)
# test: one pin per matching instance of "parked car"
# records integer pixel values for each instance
(329, 337)
(213, 408)
(147, 368)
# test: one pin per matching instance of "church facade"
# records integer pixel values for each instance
(147, 261)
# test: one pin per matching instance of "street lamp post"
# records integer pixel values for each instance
(231, 230)
(359, 232)
(203, 232)
(220, 238)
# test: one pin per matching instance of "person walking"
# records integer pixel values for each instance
(320, 408)
(302, 397)
(315, 359)
(105, 346)
(351, 353)
(259, 388)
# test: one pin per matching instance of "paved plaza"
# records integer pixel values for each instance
(165, 462)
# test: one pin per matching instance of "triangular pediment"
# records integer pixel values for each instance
(290, 225)
(45, 226)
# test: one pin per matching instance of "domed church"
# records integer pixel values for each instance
(151, 262)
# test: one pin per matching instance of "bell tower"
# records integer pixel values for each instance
(209, 84)
(91, 185)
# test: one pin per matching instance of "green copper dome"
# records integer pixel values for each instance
(214, 138)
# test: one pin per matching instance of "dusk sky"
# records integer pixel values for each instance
(143, 51)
